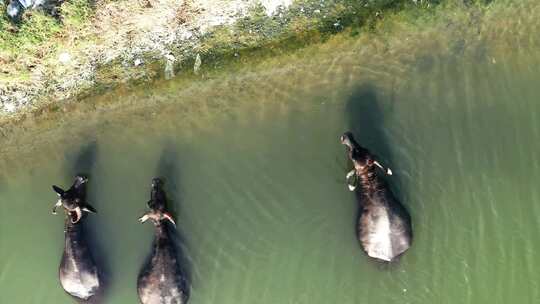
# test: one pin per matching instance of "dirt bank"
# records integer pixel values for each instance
(126, 34)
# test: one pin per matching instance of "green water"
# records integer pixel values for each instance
(255, 171)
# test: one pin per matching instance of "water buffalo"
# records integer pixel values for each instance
(384, 225)
(161, 280)
(78, 271)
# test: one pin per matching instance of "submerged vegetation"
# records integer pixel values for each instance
(386, 54)
(37, 27)
(34, 45)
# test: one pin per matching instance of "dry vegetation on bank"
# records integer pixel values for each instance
(98, 45)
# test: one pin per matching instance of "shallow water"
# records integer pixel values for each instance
(255, 171)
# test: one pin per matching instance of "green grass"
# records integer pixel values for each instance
(30, 33)
(76, 13)
(257, 36)
(303, 20)
(252, 38)
(36, 28)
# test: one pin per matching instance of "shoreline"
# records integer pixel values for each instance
(120, 42)
(223, 49)
(387, 55)
(133, 42)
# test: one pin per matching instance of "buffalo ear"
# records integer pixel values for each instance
(58, 190)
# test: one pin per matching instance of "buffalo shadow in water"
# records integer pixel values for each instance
(81, 163)
(366, 120)
(169, 171)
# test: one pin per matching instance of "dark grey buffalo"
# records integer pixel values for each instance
(78, 271)
(161, 280)
(384, 225)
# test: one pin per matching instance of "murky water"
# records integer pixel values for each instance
(254, 167)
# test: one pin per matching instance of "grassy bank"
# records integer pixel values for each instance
(386, 56)
(33, 34)
(38, 34)
(257, 35)
(33, 46)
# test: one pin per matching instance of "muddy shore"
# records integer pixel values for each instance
(130, 42)
(123, 41)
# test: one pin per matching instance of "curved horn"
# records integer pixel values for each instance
(88, 208)
(387, 171)
(144, 218)
(58, 204)
(169, 218)
(351, 173)
(78, 212)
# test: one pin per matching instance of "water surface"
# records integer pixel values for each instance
(255, 171)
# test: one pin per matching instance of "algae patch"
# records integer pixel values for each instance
(111, 44)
